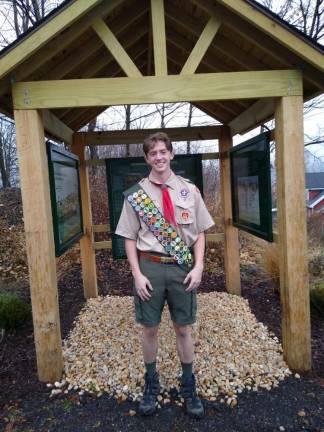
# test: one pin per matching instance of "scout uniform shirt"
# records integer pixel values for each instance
(190, 211)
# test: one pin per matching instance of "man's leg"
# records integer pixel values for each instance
(147, 404)
(185, 347)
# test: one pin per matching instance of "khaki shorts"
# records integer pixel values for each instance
(167, 282)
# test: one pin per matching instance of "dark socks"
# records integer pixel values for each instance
(150, 368)
(186, 370)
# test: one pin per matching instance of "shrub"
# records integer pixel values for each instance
(317, 296)
(13, 311)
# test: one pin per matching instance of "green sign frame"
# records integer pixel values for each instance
(123, 173)
(64, 179)
(251, 186)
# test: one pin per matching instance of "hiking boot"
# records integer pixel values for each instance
(193, 404)
(147, 405)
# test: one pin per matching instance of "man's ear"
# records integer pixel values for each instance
(172, 155)
(145, 158)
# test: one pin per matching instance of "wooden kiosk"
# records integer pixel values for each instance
(233, 59)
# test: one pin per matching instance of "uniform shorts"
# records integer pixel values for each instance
(168, 287)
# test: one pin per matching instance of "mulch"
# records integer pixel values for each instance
(26, 405)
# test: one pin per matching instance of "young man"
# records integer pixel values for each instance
(163, 221)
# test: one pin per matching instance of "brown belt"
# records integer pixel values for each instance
(157, 258)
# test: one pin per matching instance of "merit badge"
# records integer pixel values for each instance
(141, 213)
(130, 198)
(140, 192)
(184, 193)
(185, 215)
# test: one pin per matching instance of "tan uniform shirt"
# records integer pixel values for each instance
(190, 210)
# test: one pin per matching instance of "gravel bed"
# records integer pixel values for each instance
(233, 351)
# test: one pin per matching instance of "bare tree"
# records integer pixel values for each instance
(8, 155)
(17, 16)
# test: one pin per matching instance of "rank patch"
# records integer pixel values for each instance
(184, 193)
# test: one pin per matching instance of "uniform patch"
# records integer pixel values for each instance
(185, 215)
(184, 193)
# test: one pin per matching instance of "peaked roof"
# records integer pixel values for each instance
(65, 46)
(315, 180)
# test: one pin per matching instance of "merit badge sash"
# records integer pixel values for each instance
(164, 232)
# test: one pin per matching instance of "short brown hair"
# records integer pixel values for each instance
(151, 140)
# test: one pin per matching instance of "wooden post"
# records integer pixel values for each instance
(294, 288)
(88, 258)
(231, 243)
(34, 179)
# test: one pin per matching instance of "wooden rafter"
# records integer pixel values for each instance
(191, 26)
(118, 91)
(276, 31)
(39, 38)
(159, 39)
(115, 48)
(201, 46)
(256, 114)
(123, 28)
(264, 42)
(58, 43)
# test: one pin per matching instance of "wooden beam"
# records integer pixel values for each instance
(201, 46)
(39, 243)
(88, 258)
(273, 48)
(276, 31)
(44, 34)
(193, 27)
(115, 48)
(118, 91)
(231, 246)
(137, 136)
(255, 115)
(58, 43)
(159, 39)
(56, 127)
(294, 290)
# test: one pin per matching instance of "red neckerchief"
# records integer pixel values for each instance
(168, 208)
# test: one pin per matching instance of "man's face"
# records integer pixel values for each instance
(159, 158)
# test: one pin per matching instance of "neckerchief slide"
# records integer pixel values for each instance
(164, 232)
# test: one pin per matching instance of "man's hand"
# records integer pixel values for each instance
(142, 286)
(194, 276)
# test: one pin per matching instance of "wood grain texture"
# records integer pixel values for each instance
(44, 34)
(201, 46)
(88, 258)
(258, 113)
(276, 31)
(159, 39)
(115, 48)
(231, 246)
(56, 127)
(137, 136)
(173, 88)
(35, 190)
(292, 240)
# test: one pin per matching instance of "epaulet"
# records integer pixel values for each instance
(187, 180)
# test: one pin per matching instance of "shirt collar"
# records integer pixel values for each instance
(170, 182)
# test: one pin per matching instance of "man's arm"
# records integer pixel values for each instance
(142, 284)
(195, 275)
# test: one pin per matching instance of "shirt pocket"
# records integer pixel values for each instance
(184, 212)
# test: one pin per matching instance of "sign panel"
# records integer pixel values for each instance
(251, 186)
(65, 197)
(125, 172)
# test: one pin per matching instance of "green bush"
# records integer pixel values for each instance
(317, 296)
(13, 311)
